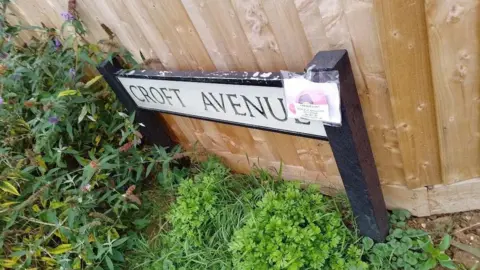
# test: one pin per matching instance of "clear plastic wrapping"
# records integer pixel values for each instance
(313, 96)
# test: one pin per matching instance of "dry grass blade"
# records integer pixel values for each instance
(474, 251)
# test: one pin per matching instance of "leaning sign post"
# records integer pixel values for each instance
(256, 100)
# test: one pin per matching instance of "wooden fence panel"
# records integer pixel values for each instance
(262, 41)
(403, 33)
(372, 89)
(416, 67)
(454, 32)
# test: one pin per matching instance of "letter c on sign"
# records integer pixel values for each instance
(133, 93)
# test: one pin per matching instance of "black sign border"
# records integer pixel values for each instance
(350, 143)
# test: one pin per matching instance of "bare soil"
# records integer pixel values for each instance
(465, 231)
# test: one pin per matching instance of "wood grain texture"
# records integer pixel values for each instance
(454, 33)
(172, 21)
(363, 50)
(413, 200)
(217, 24)
(15, 16)
(454, 198)
(187, 52)
(311, 18)
(158, 48)
(35, 13)
(403, 35)
(261, 39)
(283, 18)
(296, 52)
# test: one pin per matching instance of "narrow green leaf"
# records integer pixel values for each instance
(71, 215)
(117, 256)
(69, 92)
(64, 248)
(132, 117)
(93, 81)
(472, 250)
(83, 113)
(166, 169)
(428, 246)
(91, 118)
(448, 264)
(70, 130)
(84, 56)
(19, 253)
(149, 168)
(443, 257)
(109, 263)
(119, 242)
(429, 264)
(445, 244)
(9, 188)
(45, 69)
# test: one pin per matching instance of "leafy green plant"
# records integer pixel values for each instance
(210, 205)
(406, 248)
(295, 229)
(71, 161)
(437, 254)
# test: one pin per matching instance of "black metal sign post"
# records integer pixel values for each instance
(254, 102)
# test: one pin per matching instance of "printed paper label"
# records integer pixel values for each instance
(312, 111)
(312, 101)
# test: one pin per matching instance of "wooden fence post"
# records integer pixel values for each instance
(352, 151)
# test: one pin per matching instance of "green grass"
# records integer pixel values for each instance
(199, 214)
(211, 204)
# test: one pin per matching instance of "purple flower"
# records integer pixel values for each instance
(53, 120)
(67, 16)
(57, 43)
(1, 100)
(72, 73)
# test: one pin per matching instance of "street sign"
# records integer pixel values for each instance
(238, 100)
(256, 100)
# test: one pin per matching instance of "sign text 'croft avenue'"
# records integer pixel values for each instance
(250, 105)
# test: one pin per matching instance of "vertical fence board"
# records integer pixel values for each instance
(217, 23)
(104, 12)
(403, 35)
(311, 19)
(178, 33)
(216, 19)
(261, 39)
(132, 28)
(372, 89)
(228, 48)
(288, 30)
(15, 16)
(289, 33)
(34, 14)
(294, 47)
(454, 32)
(158, 48)
(95, 32)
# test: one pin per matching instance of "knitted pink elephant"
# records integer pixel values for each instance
(309, 97)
